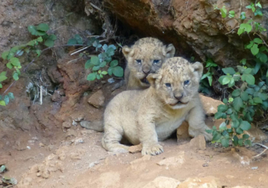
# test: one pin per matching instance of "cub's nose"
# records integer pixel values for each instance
(145, 70)
(178, 96)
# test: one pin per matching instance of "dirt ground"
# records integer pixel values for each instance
(76, 159)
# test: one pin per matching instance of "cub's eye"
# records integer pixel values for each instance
(186, 82)
(138, 61)
(156, 61)
(168, 84)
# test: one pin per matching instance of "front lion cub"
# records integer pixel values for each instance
(146, 116)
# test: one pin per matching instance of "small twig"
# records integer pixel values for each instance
(260, 153)
(266, 147)
(95, 6)
(262, 39)
(41, 95)
(82, 49)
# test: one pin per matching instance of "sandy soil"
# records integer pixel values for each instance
(77, 160)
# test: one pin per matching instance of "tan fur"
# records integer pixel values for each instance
(146, 116)
(145, 56)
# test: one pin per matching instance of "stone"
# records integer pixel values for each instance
(198, 143)
(97, 99)
(182, 131)
(162, 182)
(66, 124)
(142, 159)
(94, 125)
(173, 161)
(210, 105)
(135, 149)
(205, 182)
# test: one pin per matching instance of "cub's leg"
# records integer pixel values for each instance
(111, 139)
(148, 137)
(197, 126)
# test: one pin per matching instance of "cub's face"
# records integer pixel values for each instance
(147, 57)
(177, 81)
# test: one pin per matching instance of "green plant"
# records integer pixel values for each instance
(12, 56)
(103, 63)
(207, 78)
(247, 99)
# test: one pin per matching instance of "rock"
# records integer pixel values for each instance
(256, 134)
(191, 26)
(97, 99)
(210, 105)
(182, 131)
(95, 125)
(173, 161)
(243, 156)
(163, 182)
(135, 149)
(142, 159)
(198, 143)
(66, 124)
(206, 182)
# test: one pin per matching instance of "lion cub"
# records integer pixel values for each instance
(145, 56)
(146, 116)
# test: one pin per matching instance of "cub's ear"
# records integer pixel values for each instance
(198, 69)
(127, 51)
(169, 51)
(151, 78)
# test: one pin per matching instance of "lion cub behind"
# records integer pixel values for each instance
(146, 116)
(145, 56)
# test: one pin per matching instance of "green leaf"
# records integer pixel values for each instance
(2, 169)
(229, 111)
(249, 78)
(32, 43)
(49, 43)
(5, 54)
(229, 70)
(98, 76)
(95, 68)
(240, 142)
(225, 142)
(245, 136)
(72, 41)
(231, 14)
(103, 64)
(78, 39)
(9, 65)
(243, 15)
(95, 60)
(222, 108)
(226, 80)
(257, 40)
(245, 125)
(1, 86)
(244, 96)
(239, 131)
(110, 51)
(113, 63)
(15, 76)
(257, 100)
(2, 103)
(38, 52)
(15, 61)
(258, 5)
(235, 140)
(3, 76)
(243, 61)
(222, 126)
(250, 91)
(263, 96)
(10, 95)
(110, 71)
(104, 72)
(92, 76)
(32, 29)
(235, 123)
(255, 49)
(247, 142)
(42, 27)
(244, 27)
(247, 71)
(118, 71)
(219, 115)
(6, 99)
(237, 103)
(88, 64)
(236, 93)
(223, 12)
(262, 57)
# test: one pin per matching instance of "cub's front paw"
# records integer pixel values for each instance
(154, 149)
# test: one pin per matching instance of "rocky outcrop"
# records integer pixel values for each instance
(192, 26)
